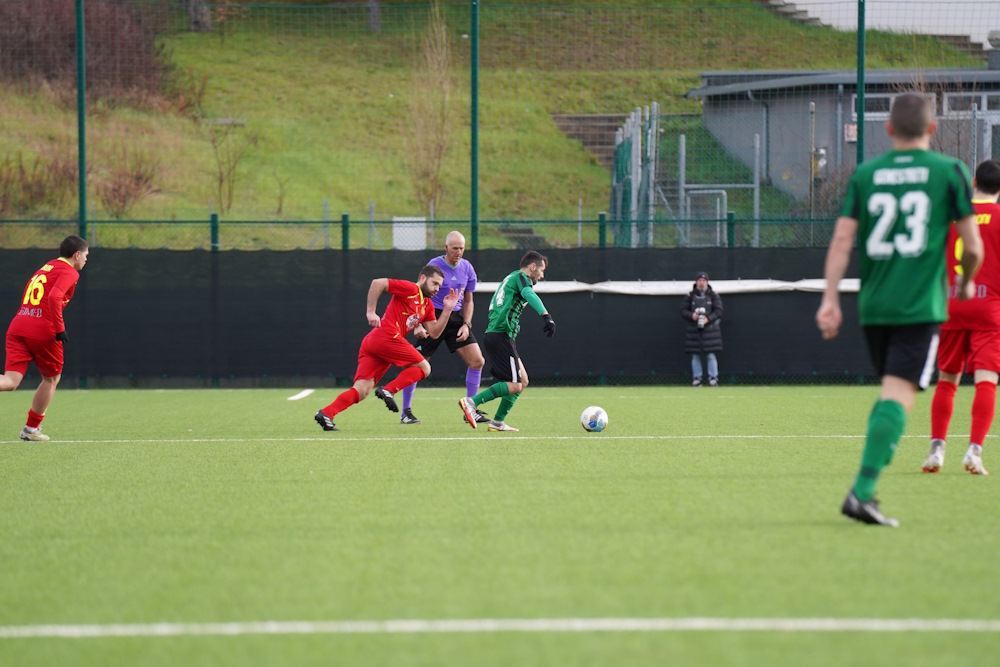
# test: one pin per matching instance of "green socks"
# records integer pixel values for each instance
(506, 403)
(885, 427)
(488, 394)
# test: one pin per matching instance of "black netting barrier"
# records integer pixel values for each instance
(195, 318)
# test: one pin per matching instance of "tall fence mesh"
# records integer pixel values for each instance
(282, 118)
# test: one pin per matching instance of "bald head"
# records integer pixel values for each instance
(454, 247)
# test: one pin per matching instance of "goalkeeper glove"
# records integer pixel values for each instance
(550, 325)
(61, 335)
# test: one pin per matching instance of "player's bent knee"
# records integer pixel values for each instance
(10, 381)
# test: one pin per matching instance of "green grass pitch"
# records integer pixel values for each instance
(207, 507)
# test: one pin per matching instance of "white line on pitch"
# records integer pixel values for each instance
(301, 394)
(492, 437)
(494, 625)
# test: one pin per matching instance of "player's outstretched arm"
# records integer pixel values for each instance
(434, 329)
(378, 286)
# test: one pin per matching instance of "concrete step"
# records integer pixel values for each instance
(595, 131)
(790, 11)
(523, 238)
(964, 44)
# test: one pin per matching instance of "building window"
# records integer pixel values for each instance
(962, 102)
(878, 105)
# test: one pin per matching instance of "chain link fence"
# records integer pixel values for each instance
(281, 118)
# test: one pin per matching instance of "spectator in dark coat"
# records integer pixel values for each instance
(702, 310)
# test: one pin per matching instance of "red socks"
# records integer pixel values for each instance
(34, 419)
(941, 409)
(348, 398)
(405, 378)
(342, 402)
(983, 407)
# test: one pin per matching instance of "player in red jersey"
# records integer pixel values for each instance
(970, 339)
(386, 344)
(37, 332)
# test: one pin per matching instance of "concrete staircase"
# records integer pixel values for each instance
(789, 11)
(522, 237)
(595, 131)
(964, 44)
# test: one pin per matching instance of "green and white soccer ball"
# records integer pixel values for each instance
(594, 419)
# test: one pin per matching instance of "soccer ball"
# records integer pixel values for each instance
(594, 419)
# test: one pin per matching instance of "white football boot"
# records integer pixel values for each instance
(973, 461)
(936, 458)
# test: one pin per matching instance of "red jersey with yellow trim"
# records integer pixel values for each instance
(48, 291)
(983, 311)
(407, 308)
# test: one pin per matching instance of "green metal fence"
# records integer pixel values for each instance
(280, 118)
(386, 235)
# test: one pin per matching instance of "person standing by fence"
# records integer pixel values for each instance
(702, 310)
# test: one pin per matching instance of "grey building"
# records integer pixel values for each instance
(807, 121)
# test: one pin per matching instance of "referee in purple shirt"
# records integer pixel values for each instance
(459, 275)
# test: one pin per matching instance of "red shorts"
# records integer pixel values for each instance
(47, 355)
(974, 350)
(378, 353)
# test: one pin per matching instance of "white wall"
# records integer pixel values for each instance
(941, 17)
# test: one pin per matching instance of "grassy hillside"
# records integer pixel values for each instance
(327, 104)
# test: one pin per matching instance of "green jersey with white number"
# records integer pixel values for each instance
(508, 302)
(904, 202)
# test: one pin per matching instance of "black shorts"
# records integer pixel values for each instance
(501, 357)
(427, 346)
(905, 351)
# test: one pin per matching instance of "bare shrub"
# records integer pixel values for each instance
(127, 182)
(187, 91)
(229, 146)
(429, 112)
(42, 188)
(828, 195)
(226, 14)
(282, 186)
(124, 62)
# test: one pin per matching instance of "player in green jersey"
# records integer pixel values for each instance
(506, 305)
(899, 207)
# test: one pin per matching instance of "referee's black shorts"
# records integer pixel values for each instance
(907, 351)
(427, 346)
(501, 357)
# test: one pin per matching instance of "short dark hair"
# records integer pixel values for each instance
(533, 257)
(431, 270)
(71, 245)
(911, 115)
(988, 177)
